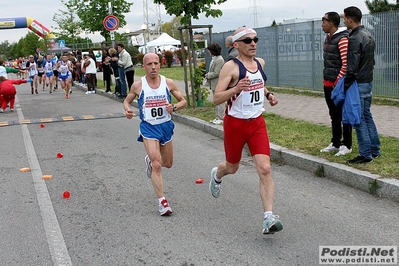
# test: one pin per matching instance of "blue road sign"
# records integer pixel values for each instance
(61, 44)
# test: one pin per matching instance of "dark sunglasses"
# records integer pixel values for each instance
(249, 40)
(323, 18)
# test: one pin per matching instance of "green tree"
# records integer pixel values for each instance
(5, 49)
(70, 40)
(14, 51)
(93, 12)
(376, 6)
(121, 37)
(133, 51)
(69, 25)
(28, 44)
(172, 28)
(191, 9)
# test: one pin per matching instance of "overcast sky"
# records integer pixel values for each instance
(236, 13)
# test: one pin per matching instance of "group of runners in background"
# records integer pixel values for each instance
(45, 71)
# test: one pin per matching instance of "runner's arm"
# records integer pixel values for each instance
(127, 103)
(177, 94)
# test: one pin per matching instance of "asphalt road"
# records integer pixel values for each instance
(111, 217)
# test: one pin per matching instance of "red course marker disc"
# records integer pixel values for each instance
(199, 181)
(66, 194)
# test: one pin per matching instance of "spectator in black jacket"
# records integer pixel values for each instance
(334, 54)
(360, 68)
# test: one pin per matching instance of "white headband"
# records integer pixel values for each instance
(242, 33)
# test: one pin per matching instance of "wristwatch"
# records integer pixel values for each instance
(174, 108)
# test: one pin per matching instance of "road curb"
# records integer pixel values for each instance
(362, 180)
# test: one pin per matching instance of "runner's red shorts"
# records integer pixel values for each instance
(238, 132)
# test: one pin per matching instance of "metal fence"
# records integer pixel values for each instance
(294, 53)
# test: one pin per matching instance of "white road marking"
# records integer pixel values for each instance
(55, 239)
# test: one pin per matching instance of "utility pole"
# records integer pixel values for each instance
(255, 12)
(112, 32)
(152, 18)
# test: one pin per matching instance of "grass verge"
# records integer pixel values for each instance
(309, 138)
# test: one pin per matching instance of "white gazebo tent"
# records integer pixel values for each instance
(163, 42)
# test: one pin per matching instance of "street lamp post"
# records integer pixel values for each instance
(127, 32)
(87, 38)
(144, 28)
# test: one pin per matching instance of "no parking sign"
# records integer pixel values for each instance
(111, 22)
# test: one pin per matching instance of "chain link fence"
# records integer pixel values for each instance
(294, 53)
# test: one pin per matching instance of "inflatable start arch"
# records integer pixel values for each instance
(26, 22)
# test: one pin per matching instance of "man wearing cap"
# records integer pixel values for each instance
(242, 85)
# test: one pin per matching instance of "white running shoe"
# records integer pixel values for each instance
(217, 121)
(214, 187)
(164, 208)
(329, 148)
(271, 224)
(343, 150)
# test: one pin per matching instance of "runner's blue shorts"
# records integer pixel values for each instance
(63, 78)
(162, 132)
